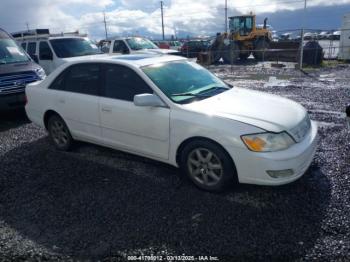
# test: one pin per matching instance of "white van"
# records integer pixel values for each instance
(50, 51)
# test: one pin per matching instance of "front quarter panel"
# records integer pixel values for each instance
(185, 124)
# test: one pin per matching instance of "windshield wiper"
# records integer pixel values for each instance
(215, 88)
(189, 94)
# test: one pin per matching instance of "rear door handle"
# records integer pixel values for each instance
(106, 109)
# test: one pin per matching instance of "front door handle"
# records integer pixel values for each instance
(61, 101)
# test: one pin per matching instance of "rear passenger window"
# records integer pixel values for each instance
(84, 79)
(59, 82)
(124, 83)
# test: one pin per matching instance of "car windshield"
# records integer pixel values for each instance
(184, 82)
(71, 47)
(10, 52)
(138, 43)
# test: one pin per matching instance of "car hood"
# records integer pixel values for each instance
(268, 112)
(157, 51)
(18, 67)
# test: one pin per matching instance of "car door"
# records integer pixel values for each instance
(46, 57)
(142, 130)
(76, 98)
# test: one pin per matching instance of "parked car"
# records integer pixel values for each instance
(136, 45)
(52, 50)
(175, 111)
(162, 44)
(193, 47)
(16, 70)
(324, 35)
(335, 36)
(310, 36)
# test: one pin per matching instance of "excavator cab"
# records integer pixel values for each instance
(242, 25)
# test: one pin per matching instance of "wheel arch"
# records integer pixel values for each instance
(200, 138)
(47, 116)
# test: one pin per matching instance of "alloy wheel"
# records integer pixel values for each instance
(205, 167)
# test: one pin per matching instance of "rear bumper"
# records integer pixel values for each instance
(252, 167)
(12, 101)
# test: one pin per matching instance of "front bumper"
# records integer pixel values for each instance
(12, 101)
(252, 166)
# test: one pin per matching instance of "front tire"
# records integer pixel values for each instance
(208, 165)
(261, 50)
(59, 133)
(231, 53)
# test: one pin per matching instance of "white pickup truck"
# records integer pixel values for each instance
(134, 45)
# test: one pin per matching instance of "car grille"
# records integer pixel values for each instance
(301, 130)
(15, 83)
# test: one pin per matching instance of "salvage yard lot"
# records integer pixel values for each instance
(97, 203)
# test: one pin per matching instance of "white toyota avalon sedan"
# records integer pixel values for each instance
(175, 111)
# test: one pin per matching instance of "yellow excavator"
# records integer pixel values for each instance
(243, 39)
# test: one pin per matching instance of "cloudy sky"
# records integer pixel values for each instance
(182, 17)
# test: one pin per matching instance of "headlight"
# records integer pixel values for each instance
(41, 73)
(268, 142)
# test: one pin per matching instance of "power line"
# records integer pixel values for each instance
(302, 39)
(104, 21)
(226, 16)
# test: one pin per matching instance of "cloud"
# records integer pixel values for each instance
(198, 17)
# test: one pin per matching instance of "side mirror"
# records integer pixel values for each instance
(126, 51)
(148, 100)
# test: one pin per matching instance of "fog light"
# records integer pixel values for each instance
(280, 173)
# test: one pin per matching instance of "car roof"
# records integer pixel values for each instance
(138, 60)
(128, 37)
(66, 37)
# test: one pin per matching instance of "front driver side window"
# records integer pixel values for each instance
(45, 52)
(124, 83)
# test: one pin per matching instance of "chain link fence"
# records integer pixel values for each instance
(319, 45)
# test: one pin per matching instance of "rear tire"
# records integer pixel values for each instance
(244, 56)
(59, 133)
(208, 165)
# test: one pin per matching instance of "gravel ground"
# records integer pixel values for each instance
(95, 203)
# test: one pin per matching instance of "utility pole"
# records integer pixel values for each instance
(104, 21)
(27, 26)
(302, 38)
(226, 16)
(161, 9)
